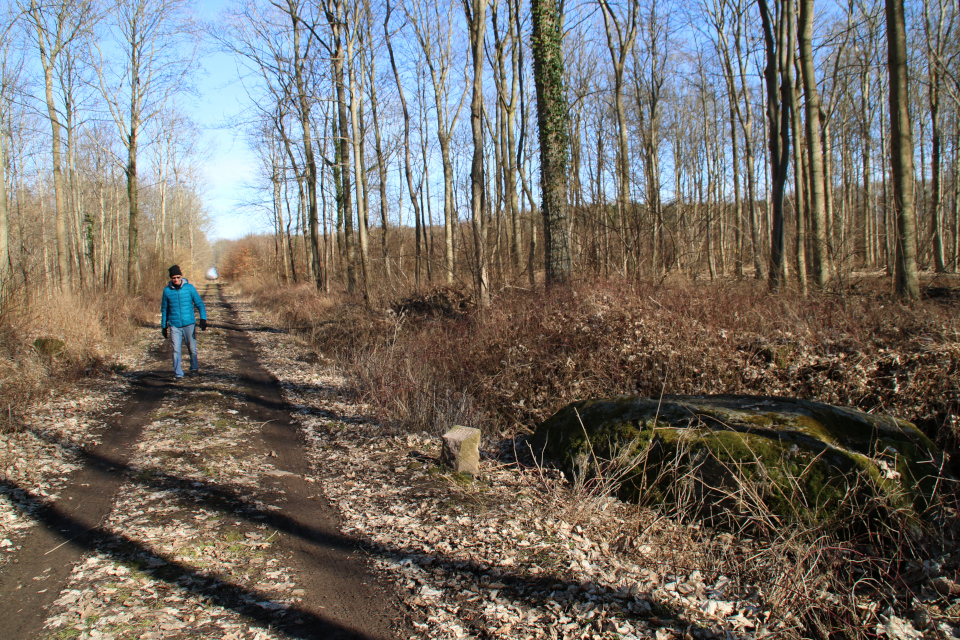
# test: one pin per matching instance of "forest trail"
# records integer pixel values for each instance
(196, 515)
(265, 500)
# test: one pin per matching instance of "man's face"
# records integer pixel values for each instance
(177, 280)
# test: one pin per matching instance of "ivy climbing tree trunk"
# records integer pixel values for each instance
(552, 122)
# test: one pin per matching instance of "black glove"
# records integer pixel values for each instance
(203, 324)
(163, 332)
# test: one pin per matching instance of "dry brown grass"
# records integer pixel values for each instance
(84, 333)
(807, 580)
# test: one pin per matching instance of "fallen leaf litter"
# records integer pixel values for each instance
(177, 546)
(486, 559)
(43, 450)
(495, 557)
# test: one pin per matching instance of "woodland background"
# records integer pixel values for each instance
(668, 126)
(752, 146)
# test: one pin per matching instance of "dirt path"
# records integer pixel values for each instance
(232, 506)
(197, 514)
(70, 525)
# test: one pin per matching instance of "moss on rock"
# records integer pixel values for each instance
(800, 459)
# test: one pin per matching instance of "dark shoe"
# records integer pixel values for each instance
(177, 379)
(193, 374)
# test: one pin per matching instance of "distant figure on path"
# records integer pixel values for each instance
(176, 312)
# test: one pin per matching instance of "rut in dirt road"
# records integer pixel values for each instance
(70, 526)
(198, 514)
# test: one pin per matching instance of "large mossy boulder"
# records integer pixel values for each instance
(737, 458)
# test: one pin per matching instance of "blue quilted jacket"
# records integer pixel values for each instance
(177, 306)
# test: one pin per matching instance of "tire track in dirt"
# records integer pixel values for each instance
(340, 585)
(340, 595)
(30, 584)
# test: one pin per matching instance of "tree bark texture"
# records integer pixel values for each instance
(906, 282)
(552, 123)
(817, 197)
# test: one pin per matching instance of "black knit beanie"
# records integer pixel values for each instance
(175, 271)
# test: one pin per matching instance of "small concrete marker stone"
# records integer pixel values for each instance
(461, 450)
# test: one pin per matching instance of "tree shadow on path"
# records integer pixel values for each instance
(293, 621)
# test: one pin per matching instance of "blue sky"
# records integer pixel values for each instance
(231, 164)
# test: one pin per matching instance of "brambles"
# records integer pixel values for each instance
(439, 302)
(527, 356)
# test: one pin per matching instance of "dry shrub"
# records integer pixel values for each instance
(528, 355)
(439, 302)
(338, 326)
(405, 386)
(47, 340)
(537, 356)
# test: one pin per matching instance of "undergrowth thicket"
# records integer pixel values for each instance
(514, 364)
(47, 340)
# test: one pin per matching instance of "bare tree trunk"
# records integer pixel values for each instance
(513, 160)
(828, 209)
(620, 39)
(310, 176)
(49, 52)
(104, 245)
(799, 173)
(5, 265)
(335, 18)
(867, 141)
(535, 214)
(814, 149)
(654, 36)
(133, 240)
(711, 188)
(906, 282)
(718, 17)
(423, 188)
(935, 43)
(439, 63)
(475, 11)
(81, 238)
(507, 105)
(378, 149)
(746, 116)
(956, 203)
(884, 218)
(363, 218)
(407, 168)
(45, 258)
(778, 119)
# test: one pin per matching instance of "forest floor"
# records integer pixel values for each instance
(261, 500)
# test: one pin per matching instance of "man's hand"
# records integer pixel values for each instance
(163, 332)
(203, 324)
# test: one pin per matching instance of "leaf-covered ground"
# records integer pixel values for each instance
(513, 554)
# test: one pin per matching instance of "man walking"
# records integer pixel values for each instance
(176, 313)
